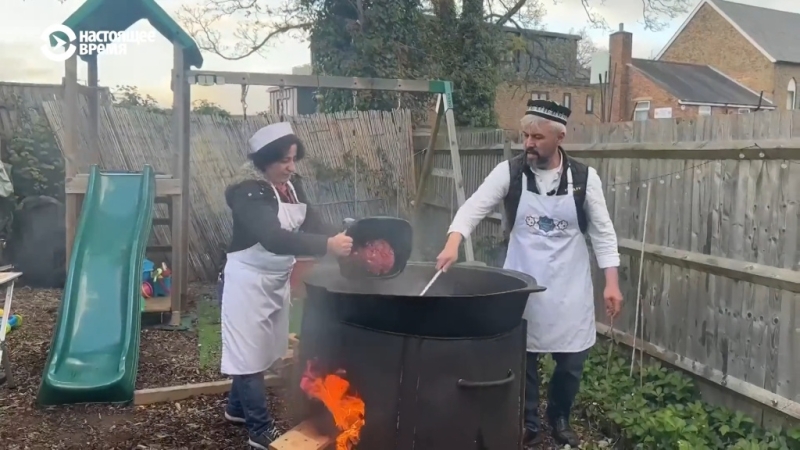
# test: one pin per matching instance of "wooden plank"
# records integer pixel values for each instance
(314, 81)
(157, 304)
(789, 333)
(160, 221)
(758, 274)
(70, 150)
(6, 277)
(184, 391)
(164, 185)
(181, 105)
(305, 436)
(425, 172)
(160, 249)
(715, 150)
(755, 393)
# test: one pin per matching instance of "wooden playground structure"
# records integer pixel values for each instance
(173, 189)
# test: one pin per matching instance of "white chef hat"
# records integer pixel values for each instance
(269, 134)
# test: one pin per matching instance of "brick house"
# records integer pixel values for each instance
(756, 46)
(544, 64)
(512, 98)
(644, 89)
(547, 69)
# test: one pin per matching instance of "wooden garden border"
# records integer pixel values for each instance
(184, 391)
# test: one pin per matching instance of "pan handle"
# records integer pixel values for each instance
(462, 383)
(532, 289)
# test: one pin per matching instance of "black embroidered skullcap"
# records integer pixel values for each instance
(549, 110)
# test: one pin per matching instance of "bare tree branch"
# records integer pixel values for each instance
(586, 47)
(237, 29)
(511, 12)
(252, 25)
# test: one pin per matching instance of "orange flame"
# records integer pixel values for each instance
(347, 409)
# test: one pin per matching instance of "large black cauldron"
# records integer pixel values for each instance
(467, 301)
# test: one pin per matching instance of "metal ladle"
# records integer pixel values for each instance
(430, 283)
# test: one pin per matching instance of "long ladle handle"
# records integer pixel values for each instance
(430, 283)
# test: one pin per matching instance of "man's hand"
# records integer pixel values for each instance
(449, 254)
(446, 258)
(613, 299)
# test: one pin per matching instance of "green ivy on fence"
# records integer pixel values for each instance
(663, 411)
(35, 163)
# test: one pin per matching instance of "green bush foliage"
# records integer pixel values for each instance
(32, 156)
(659, 408)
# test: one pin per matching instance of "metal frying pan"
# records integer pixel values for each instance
(397, 232)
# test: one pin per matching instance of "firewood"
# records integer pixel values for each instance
(304, 436)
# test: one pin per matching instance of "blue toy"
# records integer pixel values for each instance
(160, 279)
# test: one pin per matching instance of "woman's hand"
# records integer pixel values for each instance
(340, 245)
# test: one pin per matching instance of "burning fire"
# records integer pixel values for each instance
(347, 409)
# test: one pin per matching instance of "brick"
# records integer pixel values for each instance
(709, 39)
(512, 100)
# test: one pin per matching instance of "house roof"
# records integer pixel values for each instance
(694, 83)
(769, 30)
(115, 15)
(541, 33)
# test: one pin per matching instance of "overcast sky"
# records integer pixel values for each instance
(148, 66)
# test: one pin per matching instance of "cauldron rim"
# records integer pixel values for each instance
(531, 284)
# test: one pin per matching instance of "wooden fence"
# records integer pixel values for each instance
(721, 280)
(720, 287)
(357, 164)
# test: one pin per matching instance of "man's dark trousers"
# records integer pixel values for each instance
(564, 386)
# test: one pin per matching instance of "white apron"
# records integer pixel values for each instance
(546, 243)
(255, 305)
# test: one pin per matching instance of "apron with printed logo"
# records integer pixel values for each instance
(546, 243)
(255, 309)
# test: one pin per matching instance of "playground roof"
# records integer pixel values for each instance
(115, 15)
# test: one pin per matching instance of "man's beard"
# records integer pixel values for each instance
(540, 162)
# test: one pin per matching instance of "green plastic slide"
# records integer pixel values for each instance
(95, 348)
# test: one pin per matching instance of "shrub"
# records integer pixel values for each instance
(659, 409)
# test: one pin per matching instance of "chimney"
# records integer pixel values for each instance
(620, 48)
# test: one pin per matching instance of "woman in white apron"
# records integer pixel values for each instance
(546, 241)
(271, 225)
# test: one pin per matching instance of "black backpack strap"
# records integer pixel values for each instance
(580, 174)
(511, 200)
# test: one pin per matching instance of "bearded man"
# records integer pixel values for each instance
(551, 201)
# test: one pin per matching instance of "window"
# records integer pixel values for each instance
(704, 110)
(539, 96)
(642, 111)
(284, 101)
(589, 104)
(791, 95)
(567, 100)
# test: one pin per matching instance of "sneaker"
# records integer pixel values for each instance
(531, 438)
(564, 434)
(234, 419)
(262, 441)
